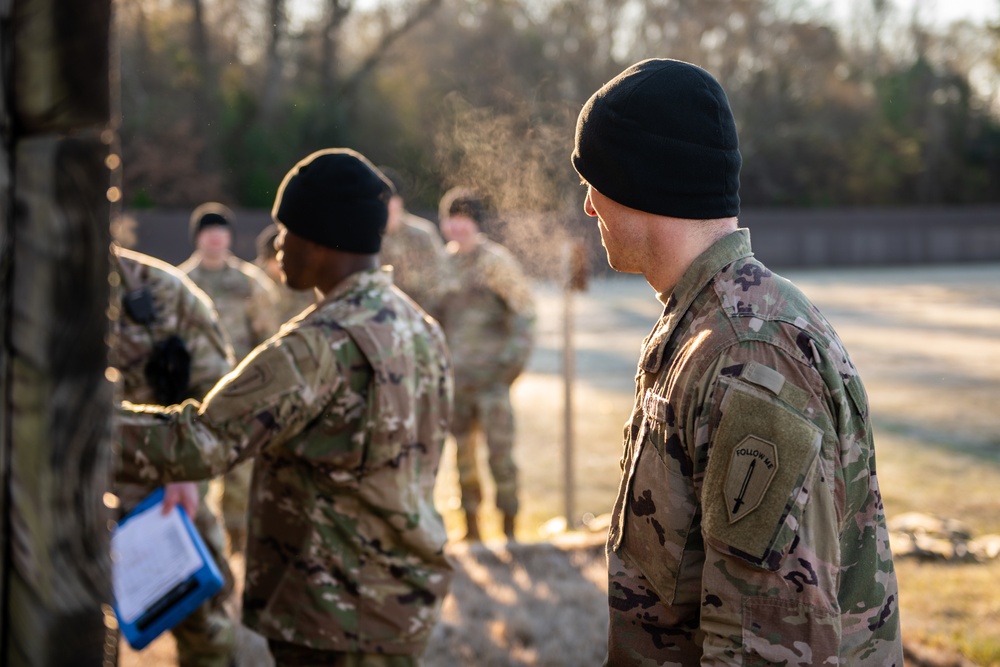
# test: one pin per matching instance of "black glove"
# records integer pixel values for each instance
(168, 370)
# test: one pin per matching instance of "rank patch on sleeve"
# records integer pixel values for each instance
(752, 466)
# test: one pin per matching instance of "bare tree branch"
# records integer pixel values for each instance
(424, 10)
(272, 77)
(337, 11)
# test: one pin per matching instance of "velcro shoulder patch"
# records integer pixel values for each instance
(656, 407)
(763, 455)
(776, 383)
(857, 393)
(763, 376)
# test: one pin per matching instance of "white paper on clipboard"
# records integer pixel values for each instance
(151, 554)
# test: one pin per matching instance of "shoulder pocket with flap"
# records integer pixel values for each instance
(762, 461)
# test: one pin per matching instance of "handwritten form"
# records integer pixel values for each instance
(151, 553)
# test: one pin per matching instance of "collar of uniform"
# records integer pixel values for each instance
(231, 262)
(703, 269)
(359, 282)
(480, 243)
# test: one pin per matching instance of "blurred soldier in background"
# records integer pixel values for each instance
(168, 346)
(247, 301)
(290, 302)
(488, 314)
(412, 245)
(346, 411)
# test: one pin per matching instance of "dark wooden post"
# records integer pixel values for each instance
(56, 191)
(575, 270)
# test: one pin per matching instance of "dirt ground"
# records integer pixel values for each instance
(926, 342)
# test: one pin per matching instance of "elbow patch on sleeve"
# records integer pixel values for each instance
(763, 457)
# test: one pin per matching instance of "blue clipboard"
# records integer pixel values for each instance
(184, 574)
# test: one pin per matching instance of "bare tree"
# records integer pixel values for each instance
(206, 89)
(391, 34)
(336, 12)
(277, 29)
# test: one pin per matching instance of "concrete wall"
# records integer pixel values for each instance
(781, 237)
(856, 237)
(165, 233)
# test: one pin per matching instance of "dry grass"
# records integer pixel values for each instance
(541, 604)
(927, 341)
(524, 604)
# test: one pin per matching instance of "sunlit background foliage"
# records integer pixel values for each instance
(874, 106)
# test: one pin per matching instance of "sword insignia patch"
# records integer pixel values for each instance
(752, 466)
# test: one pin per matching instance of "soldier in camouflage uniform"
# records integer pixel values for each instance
(247, 302)
(749, 527)
(157, 302)
(346, 411)
(290, 302)
(413, 247)
(488, 316)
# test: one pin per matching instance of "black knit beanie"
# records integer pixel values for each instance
(461, 200)
(660, 137)
(336, 198)
(211, 214)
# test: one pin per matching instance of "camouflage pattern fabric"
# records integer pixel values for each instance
(486, 412)
(181, 308)
(56, 417)
(346, 411)
(488, 315)
(206, 638)
(248, 305)
(244, 297)
(749, 527)
(289, 655)
(415, 252)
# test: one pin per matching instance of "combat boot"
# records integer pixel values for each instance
(471, 527)
(508, 526)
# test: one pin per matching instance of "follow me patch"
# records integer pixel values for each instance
(752, 466)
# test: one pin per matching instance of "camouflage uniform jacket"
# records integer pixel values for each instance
(181, 309)
(245, 298)
(416, 254)
(346, 411)
(488, 314)
(749, 526)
